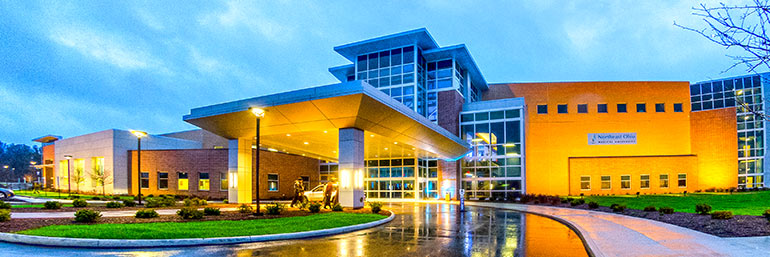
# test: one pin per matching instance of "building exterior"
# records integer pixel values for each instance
(410, 119)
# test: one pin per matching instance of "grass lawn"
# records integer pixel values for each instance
(205, 229)
(64, 195)
(35, 206)
(744, 203)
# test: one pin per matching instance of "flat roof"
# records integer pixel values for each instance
(47, 139)
(420, 36)
(463, 56)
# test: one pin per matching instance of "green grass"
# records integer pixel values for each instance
(205, 229)
(744, 203)
(35, 206)
(63, 195)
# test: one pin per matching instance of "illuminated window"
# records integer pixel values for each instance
(306, 182)
(678, 107)
(622, 108)
(163, 180)
(641, 107)
(145, 181)
(644, 181)
(682, 180)
(606, 182)
(625, 181)
(601, 108)
(182, 182)
(272, 182)
(663, 180)
(582, 108)
(585, 182)
(542, 109)
(203, 181)
(63, 175)
(562, 108)
(223, 181)
(660, 107)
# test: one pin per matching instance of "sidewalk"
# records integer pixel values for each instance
(610, 234)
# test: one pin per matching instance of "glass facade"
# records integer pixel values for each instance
(744, 93)
(494, 167)
(401, 178)
(395, 72)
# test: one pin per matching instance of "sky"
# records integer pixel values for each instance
(72, 68)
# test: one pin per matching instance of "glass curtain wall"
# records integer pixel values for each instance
(494, 167)
(393, 71)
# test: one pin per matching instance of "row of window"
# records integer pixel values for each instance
(602, 108)
(625, 181)
(203, 181)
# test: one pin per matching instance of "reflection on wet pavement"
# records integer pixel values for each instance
(417, 230)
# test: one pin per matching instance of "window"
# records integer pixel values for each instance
(582, 108)
(601, 108)
(145, 181)
(163, 180)
(622, 108)
(182, 181)
(678, 107)
(644, 181)
(663, 180)
(660, 107)
(682, 180)
(585, 182)
(305, 182)
(542, 109)
(223, 181)
(272, 182)
(606, 182)
(625, 181)
(203, 181)
(641, 107)
(562, 108)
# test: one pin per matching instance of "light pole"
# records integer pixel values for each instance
(139, 135)
(259, 113)
(69, 185)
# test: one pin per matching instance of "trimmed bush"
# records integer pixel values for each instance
(146, 214)
(154, 202)
(314, 207)
(650, 208)
(303, 205)
(767, 215)
(618, 207)
(276, 208)
(245, 208)
(666, 210)
(376, 206)
(52, 205)
(4, 205)
(593, 205)
(96, 198)
(211, 211)
(194, 202)
(129, 203)
(722, 215)
(116, 198)
(337, 207)
(5, 215)
(114, 205)
(87, 215)
(702, 208)
(190, 213)
(576, 202)
(225, 201)
(79, 203)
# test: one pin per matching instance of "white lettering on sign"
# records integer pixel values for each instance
(611, 138)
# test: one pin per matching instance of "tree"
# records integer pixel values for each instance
(102, 177)
(78, 177)
(17, 157)
(738, 26)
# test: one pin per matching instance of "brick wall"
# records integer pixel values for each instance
(450, 104)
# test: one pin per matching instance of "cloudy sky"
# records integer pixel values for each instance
(70, 68)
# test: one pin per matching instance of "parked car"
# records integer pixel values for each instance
(6, 193)
(316, 194)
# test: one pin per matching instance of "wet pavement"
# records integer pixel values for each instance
(418, 230)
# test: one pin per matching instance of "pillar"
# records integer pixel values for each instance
(351, 167)
(239, 170)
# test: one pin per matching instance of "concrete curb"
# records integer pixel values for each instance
(147, 243)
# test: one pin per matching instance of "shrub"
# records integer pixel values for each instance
(87, 215)
(593, 205)
(618, 207)
(650, 208)
(4, 205)
(51, 205)
(303, 205)
(190, 213)
(194, 202)
(225, 201)
(767, 215)
(276, 208)
(245, 208)
(211, 211)
(129, 203)
(114, 205)
(96, 198)
(576, 202)
(72, 197)
(79, 203)
(337, 207)
(153, 202)
(666, 210)
(146, 214)
(376, 206)
(5, 215)
(564, 200)
(702, 208)
(722, 215)
(116, 198)
(316, 207)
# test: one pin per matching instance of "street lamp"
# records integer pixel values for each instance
(139, 135)
(69, 185)
(259, 113)
(6, 171)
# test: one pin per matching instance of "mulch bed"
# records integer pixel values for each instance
(738, 226)
(15, 225)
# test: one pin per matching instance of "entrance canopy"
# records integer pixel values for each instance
(306, 122)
